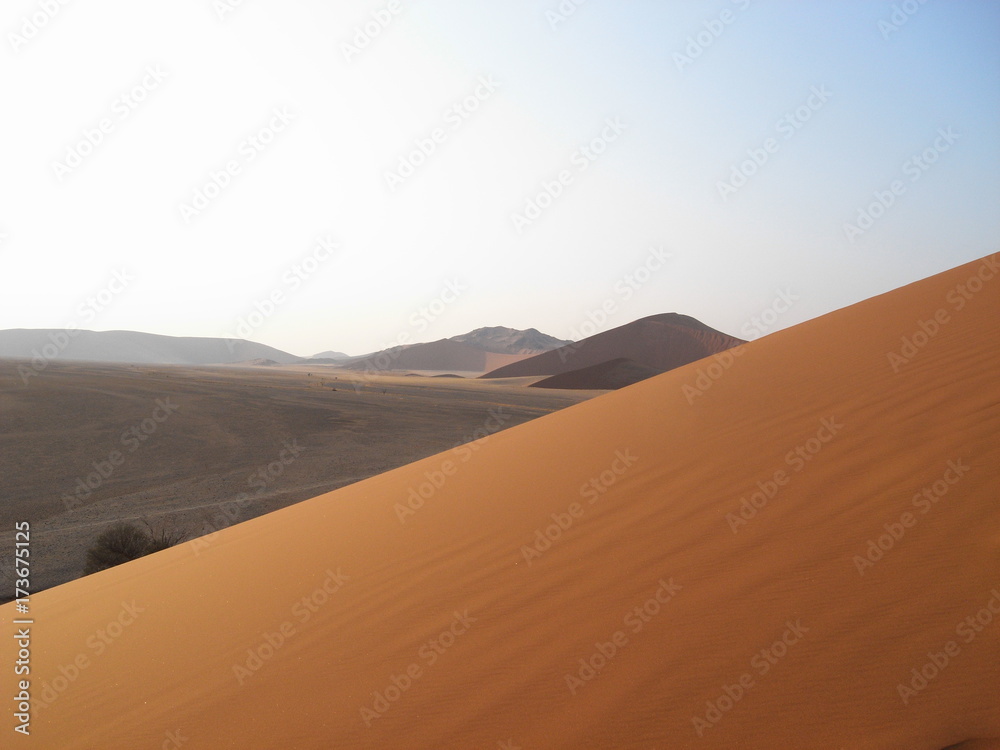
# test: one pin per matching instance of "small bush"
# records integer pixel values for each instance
(117, 544)
(122, 542)
(164, 538)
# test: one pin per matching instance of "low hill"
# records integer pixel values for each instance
(331, 356)
(132, 347)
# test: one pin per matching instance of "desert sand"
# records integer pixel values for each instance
(201, 448)
(795, 544)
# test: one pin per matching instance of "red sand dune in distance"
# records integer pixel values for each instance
(802, 554)
(661, 342)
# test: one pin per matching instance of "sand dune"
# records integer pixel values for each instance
(690, 562)
(659, 342)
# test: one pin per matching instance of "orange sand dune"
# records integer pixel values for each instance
(659, 342)
(690, 562)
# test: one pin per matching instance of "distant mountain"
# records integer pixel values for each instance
(474, 352)
(331, 355)
(659, 342)
(510, 340)
(610, 375)
(438, 356)
(477, 351)
(133, 347)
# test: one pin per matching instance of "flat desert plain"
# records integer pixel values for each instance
(198, 449)
(795, 546)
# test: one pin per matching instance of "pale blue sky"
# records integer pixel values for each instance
(450, 223)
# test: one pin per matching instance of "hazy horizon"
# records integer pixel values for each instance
(583, 333)
(344, 169)
(754, 328)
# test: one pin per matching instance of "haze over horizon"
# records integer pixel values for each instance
(707, 159)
